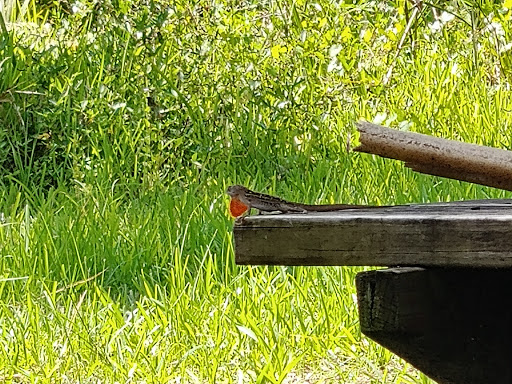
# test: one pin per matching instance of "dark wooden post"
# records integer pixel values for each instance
(455, 325)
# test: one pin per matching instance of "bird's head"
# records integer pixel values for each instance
(236, 190)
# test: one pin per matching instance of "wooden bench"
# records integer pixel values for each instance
(445, 303)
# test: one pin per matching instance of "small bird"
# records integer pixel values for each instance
(243, 199)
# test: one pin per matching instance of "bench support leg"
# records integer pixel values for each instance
(455, 325)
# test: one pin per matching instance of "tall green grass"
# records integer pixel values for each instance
(122, 125)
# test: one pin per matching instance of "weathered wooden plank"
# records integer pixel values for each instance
(437, 156)
(475, 234)
(455, 325)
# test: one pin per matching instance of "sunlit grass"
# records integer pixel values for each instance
(125, 124)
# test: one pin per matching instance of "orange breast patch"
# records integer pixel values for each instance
(237, 208)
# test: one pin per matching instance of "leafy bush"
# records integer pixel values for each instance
(146, 92)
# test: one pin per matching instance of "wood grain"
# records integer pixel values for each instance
(461, 234)
(452, 324)
(437, 156)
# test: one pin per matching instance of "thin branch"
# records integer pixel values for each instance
(408, 27)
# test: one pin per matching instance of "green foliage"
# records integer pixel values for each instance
(144, 92)
(122, 124)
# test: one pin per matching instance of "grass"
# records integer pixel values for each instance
(167, 301)
(123, 124)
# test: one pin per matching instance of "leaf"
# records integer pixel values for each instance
(276, 50)
(335, 49)
(367, 35)
(286, 370)
(346, 34)
(248, 332)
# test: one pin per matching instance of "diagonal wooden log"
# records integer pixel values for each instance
(439, 157)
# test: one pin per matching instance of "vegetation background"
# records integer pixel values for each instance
(122, 122)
